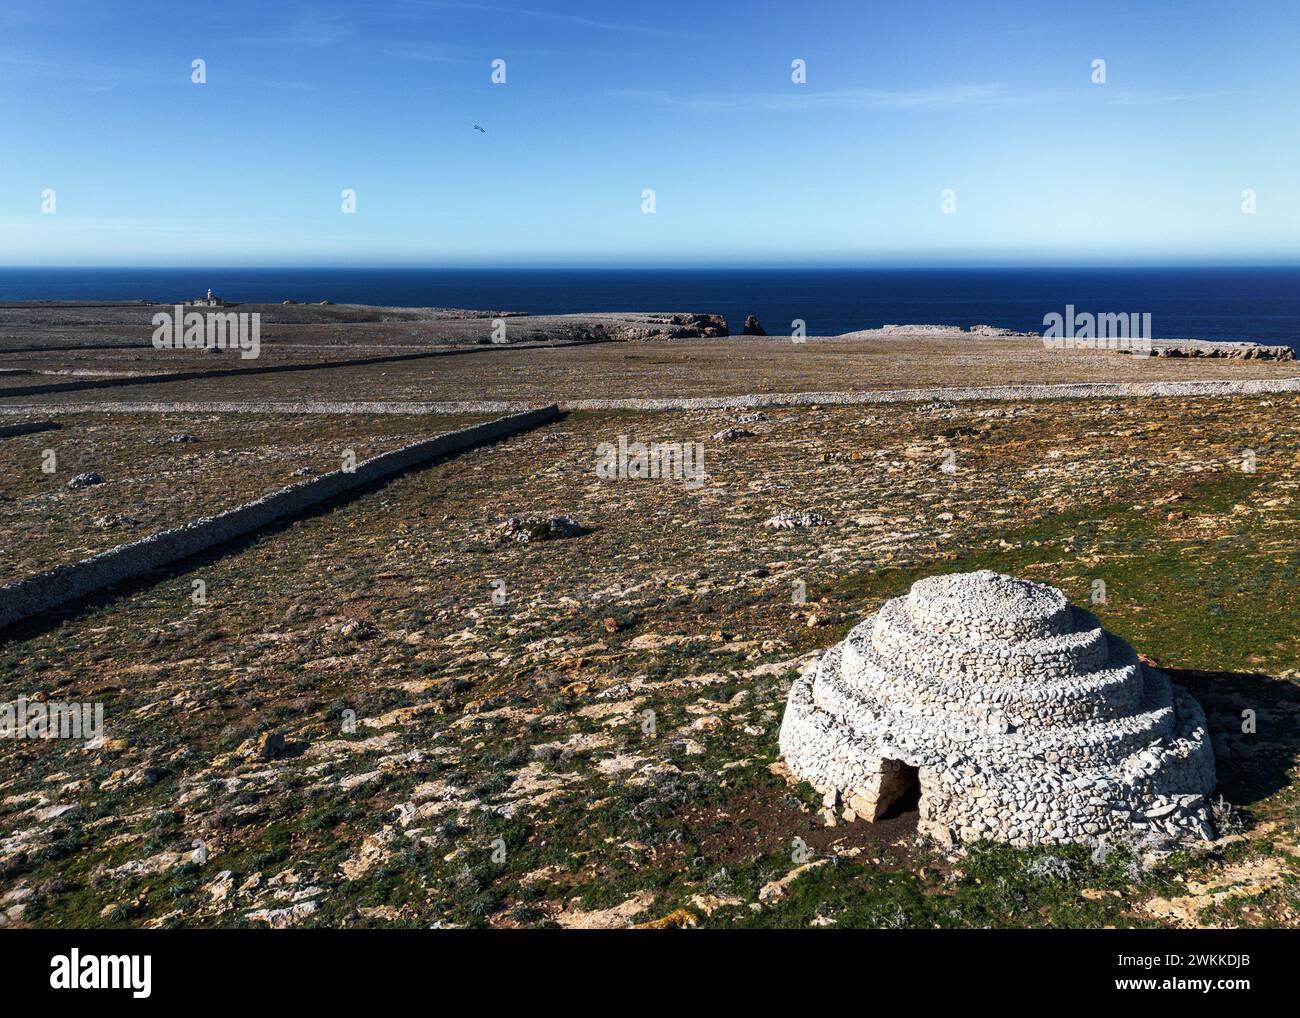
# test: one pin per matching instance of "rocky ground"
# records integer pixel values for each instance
(34, 328)
(1198, 348)
(348, 353)
(400, 712)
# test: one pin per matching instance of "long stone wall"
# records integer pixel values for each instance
(120, 381)
(1023, 393)
(956, 394)
(30, 428)
(78, 580)
(41, 388)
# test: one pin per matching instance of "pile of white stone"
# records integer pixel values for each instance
(1019, 717)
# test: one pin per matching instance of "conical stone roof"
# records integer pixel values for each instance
(1022, 719)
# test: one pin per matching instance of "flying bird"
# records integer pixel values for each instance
(479, 129)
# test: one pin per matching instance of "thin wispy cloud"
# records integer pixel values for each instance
(425, 55)
(543, 15)
(937, 98)
(838, 99)
(89, 76)
(899, 99)
(1121, 97)
(322, 25)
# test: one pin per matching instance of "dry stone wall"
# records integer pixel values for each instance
(78, 580)
(28, 428)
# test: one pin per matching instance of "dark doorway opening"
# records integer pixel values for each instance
(903, 792)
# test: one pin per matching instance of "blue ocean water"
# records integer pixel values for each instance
(1244, 303)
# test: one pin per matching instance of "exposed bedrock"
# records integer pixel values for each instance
(1019, 716)
(1231, 350)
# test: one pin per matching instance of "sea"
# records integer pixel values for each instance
(1226, 303)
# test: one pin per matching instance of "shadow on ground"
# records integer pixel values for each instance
(1251, 765)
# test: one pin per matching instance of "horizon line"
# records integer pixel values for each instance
(606, 266)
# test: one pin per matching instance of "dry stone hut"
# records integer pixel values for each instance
(1017, 717)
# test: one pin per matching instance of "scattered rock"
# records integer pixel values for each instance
(130, 777)
(777, 888)
(115, 520)
(790, 520)
(677, 919)
(526, 529)
(710, 903)
(154, 864)
(279, 918)
(299, 613)
(358, 629)
(85, 480)
(269, 745)
(220, 888)
(619, 916)
(1051, 868)
(374, 849)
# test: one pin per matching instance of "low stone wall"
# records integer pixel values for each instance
(1021, 393)
(956, 394)
(29, 428)
(119, 381)
(78, 580)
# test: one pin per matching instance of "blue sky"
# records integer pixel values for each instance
(692, 99)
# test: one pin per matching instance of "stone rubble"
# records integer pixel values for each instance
(790, 520)
(114, 520)
(526, 529)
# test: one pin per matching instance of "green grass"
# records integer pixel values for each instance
(1211, 603)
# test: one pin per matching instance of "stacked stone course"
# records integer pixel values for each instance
(1019, 716)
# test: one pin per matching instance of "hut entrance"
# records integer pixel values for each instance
(900, 791)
